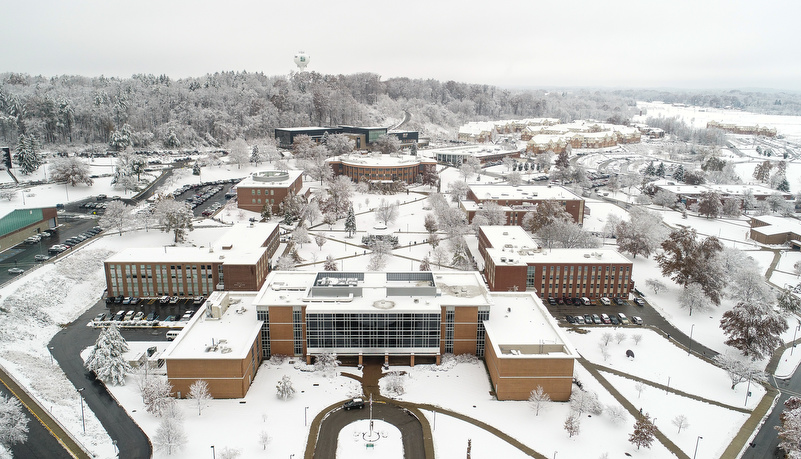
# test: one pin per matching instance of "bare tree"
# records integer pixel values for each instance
(116, 215)
(264, 439)
(620, 337)
(616, 414)
(655, 284)
(386, 212)
(573, 424)
(637, 337)
(606, 338)
(170, 434)
(199, 392)
(284, 388)
(639, 387)
(604, 351)
(395, 382)
(539, 399)
(680, 421)
(693, 298)
(320, 239)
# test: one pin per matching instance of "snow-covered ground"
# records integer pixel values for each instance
(239, 423)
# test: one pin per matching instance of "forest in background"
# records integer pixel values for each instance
(153, 112)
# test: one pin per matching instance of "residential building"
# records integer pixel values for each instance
(513, 261)
(239, 261)
(268, 187)
(690, 194)
(516, 201)
(364, 137)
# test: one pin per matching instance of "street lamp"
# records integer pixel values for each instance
(305, 411)
(51, 354)
(690, 348)
(696, 445)
(213, 454)
(83, 418)
(794, 332)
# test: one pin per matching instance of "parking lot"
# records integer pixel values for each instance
(167, 314)
(593, 314)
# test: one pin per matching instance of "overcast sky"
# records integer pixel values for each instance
(696, 44)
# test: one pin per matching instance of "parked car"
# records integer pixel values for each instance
(353, 403)
(152, 316)
(623, 319)
(605, 301)
(135, 300)
(57, 248)
(119, 316)
(637, 320)
(614, 320)
(100, 317)
(16, 271)
(119, 299)
(605, 319)
(588, 319)
(639, 301)
(169, 318)
(570, 319)
(198, 300)
(139, 316)
(41, 257)
(128, 315)
(596, 319)
(126, 300)
(33, 239)
(619, 301)
(552, 301)
(173, 299)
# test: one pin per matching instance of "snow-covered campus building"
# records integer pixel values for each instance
(396, 317)
(239, 260)
(19, 224)
(578, 134)
(483, 153)
(364, 137)
(374, 167)
(516, 201)
(513, 261)
(486, 131)
(268, 187)
(772, 230)
(690, 194)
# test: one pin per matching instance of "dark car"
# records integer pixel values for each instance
(570, 319)
(152, 316)
(618, 301)
(614, 320)
(353, 403)
(119, 299)
(552, 301)
(588, 319)
(577, 301)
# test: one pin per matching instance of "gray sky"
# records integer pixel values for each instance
(533, 43)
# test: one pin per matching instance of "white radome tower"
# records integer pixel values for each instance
(301, 60)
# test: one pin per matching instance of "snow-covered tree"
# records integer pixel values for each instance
(606, 338)
(238, 153)
(330, 264)
(13, 422)
(644, 431)
(687, 260)
(788, 303)
(320, 239)
(790, 428)
(174, 216)
(642, 234)
(196, 168)
(637, 337)
(681, 422)
(655, 284)
(567, 234)
(301, 235)
(573, 424)
(199, 392)
(739, 368)
(339, 144)
(494, 213)
(157, 395)
(665, 198)
(327, 364)
(340, 191)
(27, 156)
(620, 337)
(430, 224)
(425, 264)
(458, 190)
(546, 213)
(616, 414)
(538, 399)
(284, 388)
(582, 401)
(266, 211)
(746, 284)
(70, 170)
(693, 298)
(106, 359)
(264, 439)
(386, 212)
(395, 383)
(350, 222)
(255, 155)
(170, 434)
(514, 178)
(754, 328)
(709, 204)
(229, 453)
(387, 144)
(440, 256)
(115, 217)
(284, 263)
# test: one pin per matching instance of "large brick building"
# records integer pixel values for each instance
(516, 201)
(239, 260)
(374, 167)
(514, 262)
(267, 187)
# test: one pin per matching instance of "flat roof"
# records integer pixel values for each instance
(244, 242)
(380, 292)
(777, 225)
(512, 246)
(523, 192)
(304, 128)
(519, 326)
(228, 337)
(477, 150)
(378, 159)
(251, 182)
(728, 189)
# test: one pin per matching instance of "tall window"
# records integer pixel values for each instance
(449, 324)
(297, 330)
(265, 333)
(483, 314)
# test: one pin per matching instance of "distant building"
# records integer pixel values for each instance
(753, 129)
(578, 134)
(19, 224)
(690, 194)
(485, 131)
(513, 261)
(771, 230)
(268, 187)
(374, 167)
(364, 137)
(516, 201)
(483, 153)
(239, 260)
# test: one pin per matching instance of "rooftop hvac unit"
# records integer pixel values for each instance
(503, 259)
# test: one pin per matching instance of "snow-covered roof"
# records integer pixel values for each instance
(270, 179)
(469, 150)
(522, 192)
(372, 291)
(377, 159)
(520, 327)
(225, 328)
(242, 244)
(726, 189)
(777, 225)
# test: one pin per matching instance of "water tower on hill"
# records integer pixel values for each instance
(301, 60)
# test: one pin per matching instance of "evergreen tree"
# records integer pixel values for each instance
(255, 156)
(106, 359)
(13, 422)
(350, 222)
(267, 211)
(783, 185)
(650, 170)
(329, 264)
(660, 171)
(425, 265)
(196, 168)
(27, 157)
(678, 174)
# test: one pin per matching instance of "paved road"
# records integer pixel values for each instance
(67, 346)
(41, 441)
(410, 428)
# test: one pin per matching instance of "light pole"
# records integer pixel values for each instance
(748, 390)
(690, 348)
(794, 333)
(696, 445)
(51, 354)
(213, 454)
(83, 419)
(305, 410)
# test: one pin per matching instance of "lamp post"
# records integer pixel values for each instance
(748, 390)
(690, 348)
(305, 410)
(51, 354)
(83, 419)
(696, 445)
(794, 333)
(213, 454)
